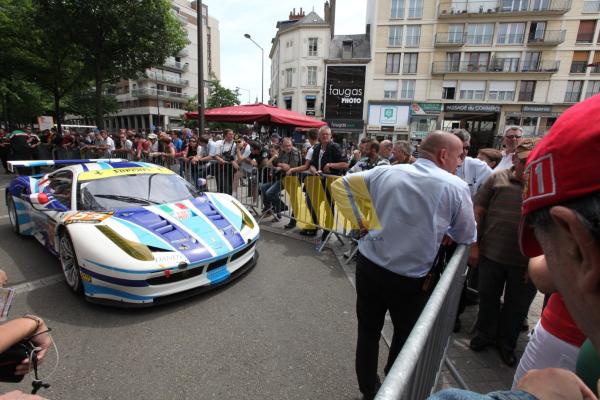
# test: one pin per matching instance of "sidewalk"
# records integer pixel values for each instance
(483, 371)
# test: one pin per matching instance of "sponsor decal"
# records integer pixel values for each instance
(89, 217)
(109, 173)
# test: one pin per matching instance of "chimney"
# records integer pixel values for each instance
(368, 30)
(332, 22)
(326, 12)
(295, 17)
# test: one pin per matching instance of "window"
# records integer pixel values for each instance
(413, 35)
(288, 103)
(579, 62)
(596, 62)
(453, 62)
(593, 87)
(312, 47)
(415, 9)
(392, 65)
(310, 104)
(347, 49)
(585, 34)
(531, 62)
(395, 36)
(390, 89)
(477, 62)
(511, 33)
(61, 185)
(410, 63)
(527, 91)
(573, 91)
(479, 33)
(449, 90)
(455, 33)
(502, 90)
(536, 32)
(408, 89)
(311, 79)
(506, 61)
(397, 9)
(472, 90)
(514, 5)
(289, 73)
(591, 6)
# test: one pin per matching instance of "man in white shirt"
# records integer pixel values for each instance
(415, 205)
(513, 135)
(472, 170)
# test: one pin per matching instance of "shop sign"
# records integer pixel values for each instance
(344, 92)
(472, 107)
(537, 109)
(425, 108)
(345, 124)
(386, 128)
(310, 112)
(389, 114)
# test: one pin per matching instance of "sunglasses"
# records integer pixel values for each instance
(513, 136)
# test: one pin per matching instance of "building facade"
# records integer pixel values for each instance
(478, 65)
(297, 55)
(157, 98)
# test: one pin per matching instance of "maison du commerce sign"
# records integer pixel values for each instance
(344, 92)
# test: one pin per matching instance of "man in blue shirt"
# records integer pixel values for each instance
(413, 207)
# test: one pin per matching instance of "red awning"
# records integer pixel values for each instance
(261, 113)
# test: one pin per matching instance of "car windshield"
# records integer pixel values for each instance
(132, 190)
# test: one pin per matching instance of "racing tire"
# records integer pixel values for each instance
(12, 214)
(69, 263)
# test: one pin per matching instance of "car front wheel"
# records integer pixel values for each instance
(12, 214)
(68, 261)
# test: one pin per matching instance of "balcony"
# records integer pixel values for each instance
(458, 9)
(449, 39)
(153, 93)
(551, 38)
(591, 6)
(498, 65)
(151, 76)
(478, 40)
(508, 39)
(175, 65)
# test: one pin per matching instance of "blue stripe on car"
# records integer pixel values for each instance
(218, 275)
(91, 289)
(116, 281)
(104, 165)
(145, 236)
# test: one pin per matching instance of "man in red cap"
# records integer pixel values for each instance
(561, 219)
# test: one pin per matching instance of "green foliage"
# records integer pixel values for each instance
(83, 103)
(221, 96)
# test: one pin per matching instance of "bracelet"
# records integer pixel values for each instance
(40, 333)
(38, 321)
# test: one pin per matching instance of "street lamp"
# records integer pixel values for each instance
(262, 68)
(247, 90)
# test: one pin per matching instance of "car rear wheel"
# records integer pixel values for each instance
(12, 214)
(68, 261)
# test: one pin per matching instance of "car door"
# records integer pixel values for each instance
(60, 187)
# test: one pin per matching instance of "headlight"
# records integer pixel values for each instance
(136, 250)
(246, 219)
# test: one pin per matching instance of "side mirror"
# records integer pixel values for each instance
(45, 202)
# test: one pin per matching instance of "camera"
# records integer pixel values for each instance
(11, 358)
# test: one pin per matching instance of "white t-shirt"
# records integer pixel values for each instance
(309, 153)
(506, 161)
(110, 143)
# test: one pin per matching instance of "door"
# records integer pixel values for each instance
(537, 31)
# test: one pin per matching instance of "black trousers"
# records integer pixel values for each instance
(502, 322)
(377, 291)
(225, 178)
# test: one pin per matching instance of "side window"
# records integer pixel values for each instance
(60, 187)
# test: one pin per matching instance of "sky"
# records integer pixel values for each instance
(240, 58)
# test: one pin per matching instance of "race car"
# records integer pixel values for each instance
(132, 233)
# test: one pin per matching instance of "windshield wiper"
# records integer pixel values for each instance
(128, 199)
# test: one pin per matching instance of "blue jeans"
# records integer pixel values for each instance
(270, 195)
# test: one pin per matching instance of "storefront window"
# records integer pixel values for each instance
(529, 125)
(421, 125)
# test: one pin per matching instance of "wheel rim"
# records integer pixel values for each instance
(12, 213)
(67, 260)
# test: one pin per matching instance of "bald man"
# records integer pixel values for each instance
(416, 205)
(385, 149)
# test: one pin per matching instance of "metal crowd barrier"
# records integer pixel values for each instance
(416, 370)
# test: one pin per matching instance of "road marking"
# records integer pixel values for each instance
(38, 283)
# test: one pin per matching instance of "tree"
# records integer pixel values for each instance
(38, 47)
(219, 96)
(123, 38)
(83, 103)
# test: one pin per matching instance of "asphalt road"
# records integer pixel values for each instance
(285, 330)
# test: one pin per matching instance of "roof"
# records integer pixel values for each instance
(361, 46)
(311, 19)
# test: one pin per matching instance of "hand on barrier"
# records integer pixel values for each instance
(326, 168)
(474, 255)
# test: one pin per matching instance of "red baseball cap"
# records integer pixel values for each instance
(564, 165)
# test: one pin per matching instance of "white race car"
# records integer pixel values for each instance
(132, 233)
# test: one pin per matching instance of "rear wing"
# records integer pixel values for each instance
(48, 163)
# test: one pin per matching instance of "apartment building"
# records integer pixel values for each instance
(297, 58)
(479, 65)
(157, 98)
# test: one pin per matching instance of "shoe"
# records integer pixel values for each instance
(308, 232)
(290, 225)
(478, 343)
(508, 356)
(457, 325)
(525, 325)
